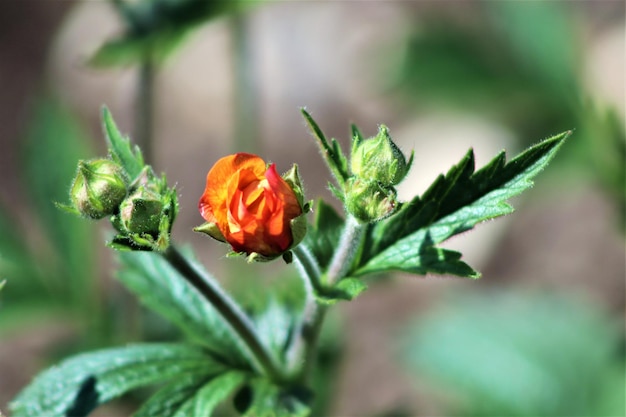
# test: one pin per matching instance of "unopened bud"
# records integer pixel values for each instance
(141, 212)
(99, 188)
(369, 201)
(379, 159)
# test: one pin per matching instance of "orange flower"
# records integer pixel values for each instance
(251, 205)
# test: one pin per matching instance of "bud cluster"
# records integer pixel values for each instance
(141, 210)
(377, 166)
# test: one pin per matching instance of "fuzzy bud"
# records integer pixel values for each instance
(379, 159)
(141, 212)
(98, 188)
(369, 201)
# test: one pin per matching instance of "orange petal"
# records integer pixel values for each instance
(217, 181)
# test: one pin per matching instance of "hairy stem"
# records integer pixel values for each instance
(349, 244)
(314, 313)
(308, 267)
(230, 311)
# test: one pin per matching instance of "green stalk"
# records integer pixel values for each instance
(349, 244)
(305, 346)
(230, 311)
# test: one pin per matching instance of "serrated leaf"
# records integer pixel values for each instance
(162, 289)
(192, 395)
(423, 259)
(122, 152)
(78, 385)
(265, 399)
(454, 203)
(331, 151)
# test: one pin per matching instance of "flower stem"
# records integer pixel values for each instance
(308, 267)
(230, 311)
(348, 247)
(314, 312)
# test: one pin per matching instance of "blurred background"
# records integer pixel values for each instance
(541, 334)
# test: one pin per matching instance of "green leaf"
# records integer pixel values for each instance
(78, 385)
(453, 204)
(261, 398)
(275, 326)
(192, 395)
(324, 233)
(332, 153)
(129, 157)
(162, 289)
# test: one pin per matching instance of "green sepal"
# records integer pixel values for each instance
(210, 229)
(298, 227)
(292, 178)
(2, 284)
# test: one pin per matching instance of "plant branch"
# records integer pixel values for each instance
(305, 346)
(230, 311)
(349, 244)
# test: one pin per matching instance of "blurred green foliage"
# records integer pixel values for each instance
(519, 353)
(155, 28)
(520, 63)
(48, 257)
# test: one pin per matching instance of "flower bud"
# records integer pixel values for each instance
(141, 212)
(99, 188)
(379, 159)
(251, 207)
(369, 201)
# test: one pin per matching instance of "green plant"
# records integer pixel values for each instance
(266, 361)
